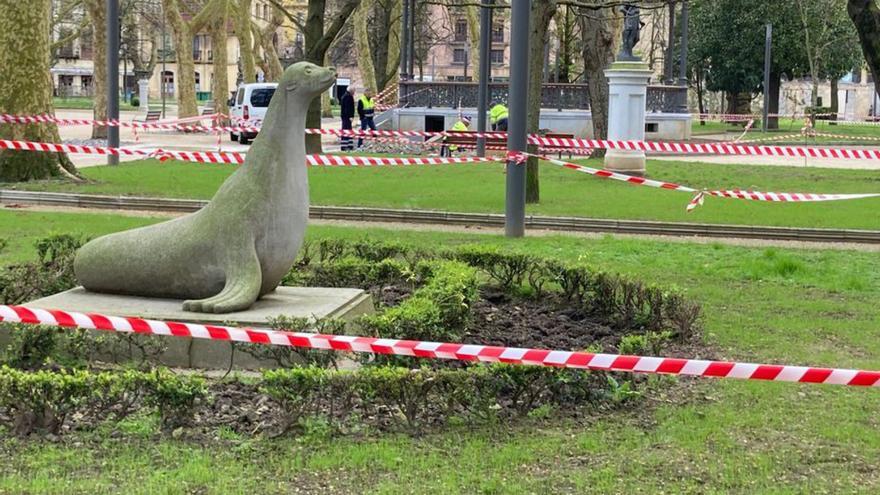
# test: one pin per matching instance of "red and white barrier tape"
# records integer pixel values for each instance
(454, 351)
(234, 157)
(371, 161)
(774, 197)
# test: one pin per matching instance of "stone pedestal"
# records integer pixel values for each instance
(144, 94)
(306, 302)
(627, 93)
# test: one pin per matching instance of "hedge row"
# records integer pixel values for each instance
(618, 300)
(43, 400)
(385, 397)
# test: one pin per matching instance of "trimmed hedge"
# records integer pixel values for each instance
(384, 397)
(41, 401)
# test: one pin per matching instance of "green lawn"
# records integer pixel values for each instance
(766, 305)
(789, 126)
(480, 188)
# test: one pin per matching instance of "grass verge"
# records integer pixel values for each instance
(763, 305)
(480, 188)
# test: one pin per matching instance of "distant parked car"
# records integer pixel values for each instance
(249, 108)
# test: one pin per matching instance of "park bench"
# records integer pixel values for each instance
(469, 139)
(151, 116)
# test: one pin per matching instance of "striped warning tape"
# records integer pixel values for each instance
(453, 351)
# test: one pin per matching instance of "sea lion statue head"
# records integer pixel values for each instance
(303, 81)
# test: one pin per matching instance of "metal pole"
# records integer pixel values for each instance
(682, 61)
(113, 77)
(485, 73)
(404, 45)
(768, 39)
(515, 198)
(670, 42)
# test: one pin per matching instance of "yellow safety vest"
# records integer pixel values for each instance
(497, 113)
(367, 104)
(458, 127)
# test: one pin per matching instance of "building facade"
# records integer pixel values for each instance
(73, 67)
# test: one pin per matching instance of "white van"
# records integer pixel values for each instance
(248, 108)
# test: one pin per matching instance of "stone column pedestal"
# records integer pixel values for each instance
(144, 94)
(627, 92)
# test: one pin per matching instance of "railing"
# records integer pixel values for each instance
(669, 99)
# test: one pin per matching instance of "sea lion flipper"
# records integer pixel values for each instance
(243, 281)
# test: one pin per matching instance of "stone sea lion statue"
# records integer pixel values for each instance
(223, 257)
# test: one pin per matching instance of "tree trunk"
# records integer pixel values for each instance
(313, 35)
(26, 89)
(185, 79)
(701, 104)
(392, 64)
(362, 43)
(317, 44)
(98, 14)
(600, 31)
(540, 15)
(242, 22)
(865, 15)
(472, 13)
(220, 82)
(271, 63)
(834, 103)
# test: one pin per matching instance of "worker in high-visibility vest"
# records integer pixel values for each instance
(498, 116)
(462, 125)
(366, 112)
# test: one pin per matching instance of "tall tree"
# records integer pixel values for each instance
(26, 89)
(377, 27)
(600, 34)
(539, 22)
(183, 29)
(98, 14)
(319, 36)
(738, 68)
(830, 42)
(865, 15)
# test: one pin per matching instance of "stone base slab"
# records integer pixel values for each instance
(305, 302)
(626, 162)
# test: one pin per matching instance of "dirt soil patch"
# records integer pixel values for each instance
(548, 323)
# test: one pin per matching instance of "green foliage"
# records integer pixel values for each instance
(34, 347)
(508, 270)
(407, 391)
(52, 272)
(647, 344)
(440, 310)
(42, 400)
(135, 101)
(295, 390)
(174, 396)
(287, 356)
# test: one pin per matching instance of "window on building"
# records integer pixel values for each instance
(497, 56)
(459, 56)
(461, 30)
(266, 11)
(197, 48)
(85, 46)
(498, 33)
(86, 86)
